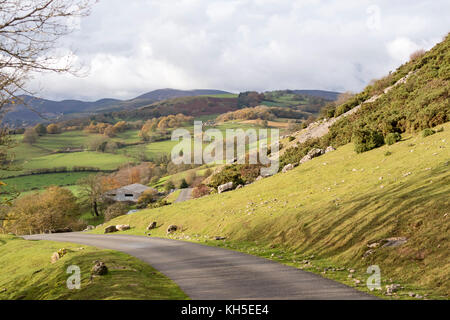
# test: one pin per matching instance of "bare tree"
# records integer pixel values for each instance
(29, 31)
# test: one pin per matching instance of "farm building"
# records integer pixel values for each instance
(128, 193)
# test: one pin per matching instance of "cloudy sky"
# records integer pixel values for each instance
(134, 46)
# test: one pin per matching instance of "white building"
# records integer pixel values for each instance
(128, 193)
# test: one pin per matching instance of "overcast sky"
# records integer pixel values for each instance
(134, 46)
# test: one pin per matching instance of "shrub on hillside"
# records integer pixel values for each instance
(115, 210)
(392, 138)
(366, 139)
(201, 191)
(158, 204)
(228, 174)
(428, 132)
(146, 198)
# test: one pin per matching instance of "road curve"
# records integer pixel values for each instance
(210, 273)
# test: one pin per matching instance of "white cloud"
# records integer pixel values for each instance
(136, 46)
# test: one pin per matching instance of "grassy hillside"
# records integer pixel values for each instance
(28, 274)
(331, 208)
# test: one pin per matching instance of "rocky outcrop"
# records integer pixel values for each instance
(314, 153)
(329, 149)
(225, 187)
(287, 168)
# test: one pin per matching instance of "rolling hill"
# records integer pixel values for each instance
(347, 210)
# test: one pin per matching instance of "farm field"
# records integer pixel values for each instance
(36, 182)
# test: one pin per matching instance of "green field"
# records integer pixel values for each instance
(35, 182)
(105, 161)
(331, 208)
(28, 274)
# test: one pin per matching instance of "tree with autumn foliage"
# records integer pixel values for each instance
(55, 208)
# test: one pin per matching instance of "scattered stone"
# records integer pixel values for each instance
(172, 228)
(239, 187)
(89, 228)
(373, 245)
(329, 149)
(152, 225)
(394, 242)
(357, 281)
(55, 257)
(225, 187)
(350, 276)
(99, 269)
(259, 178)
(418, 296)
(314, 153)
(368, 253)
(287, 168)
(123, 227)
(407, 174)
(390, 289)
(351, 271)
(110, 229)
(411, 294)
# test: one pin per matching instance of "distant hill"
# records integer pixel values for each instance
(38, 110)
(42, 110)
(164, 94)
(327, 95)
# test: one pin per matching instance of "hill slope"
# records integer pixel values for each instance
(333, 207)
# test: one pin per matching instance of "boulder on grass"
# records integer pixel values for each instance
(111, 229)
(172, 228)
(314, 153)
(329, 149)
(225, 187)
(151, 226)
(123, 227)
(99, 269)
(288, 167)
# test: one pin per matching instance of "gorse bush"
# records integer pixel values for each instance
(392, 138)
(428, 132)
(366, 140)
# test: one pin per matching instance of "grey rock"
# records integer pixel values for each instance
(225, 187)
(99, 269)
(172, 228)
(123, 227)
(110, 229)
(329, 149)
(394, 242)
(288, 167)
(152, 225)
(314, 153)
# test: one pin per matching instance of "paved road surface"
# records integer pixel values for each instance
(185, 195)
(212, 273)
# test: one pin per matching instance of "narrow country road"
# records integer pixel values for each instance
(185, 195)
(211, 273)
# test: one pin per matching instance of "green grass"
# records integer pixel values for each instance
(28, 274)
(332, 207)
(70, 139)
(105, 161)
(35, 182)
(173, 196)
